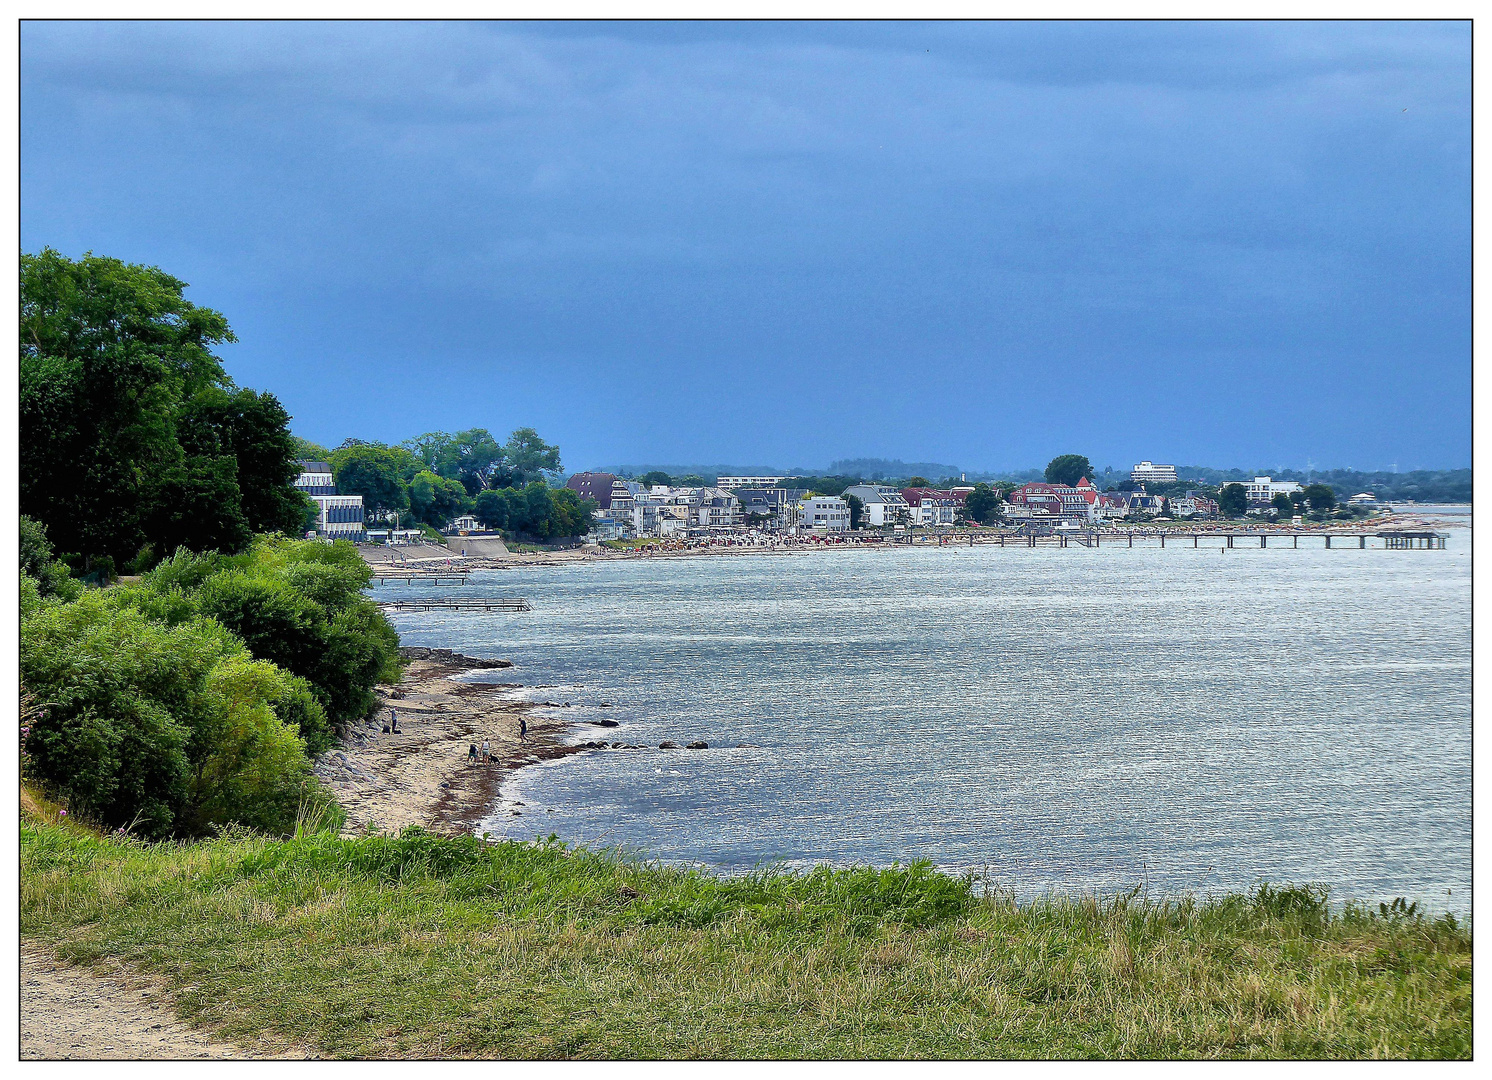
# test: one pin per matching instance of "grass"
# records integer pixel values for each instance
(418, 946)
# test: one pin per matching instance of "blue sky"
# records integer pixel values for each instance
(980, 243)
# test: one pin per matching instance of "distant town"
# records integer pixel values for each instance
(659, 506)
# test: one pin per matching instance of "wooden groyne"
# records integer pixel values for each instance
(409, 577)
(460, 603)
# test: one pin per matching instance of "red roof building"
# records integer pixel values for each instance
(593, 485)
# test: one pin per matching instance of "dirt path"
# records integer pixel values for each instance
(69, 1013)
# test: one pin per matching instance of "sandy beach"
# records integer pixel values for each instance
(422, 776)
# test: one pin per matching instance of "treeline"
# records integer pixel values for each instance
(196, 696)
(1429, 486)
(438, 477)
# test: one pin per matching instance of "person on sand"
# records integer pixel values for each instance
(486, 750)
(394, 721)
(523, 728)
(471, 754)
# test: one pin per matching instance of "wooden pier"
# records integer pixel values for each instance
(1092, 538)
(458, 603)
(409, 577)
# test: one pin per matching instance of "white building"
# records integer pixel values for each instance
(883, 505)
(824, 513)
(464, 523)
(1364, 498)
(751, 481)
(337, 516)
(1263, 489)
(1149, 470)
(718, 509)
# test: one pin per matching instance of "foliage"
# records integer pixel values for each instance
(1320, 496)
(468, 456)
(513, 950)
(132, 434)
(1233, 501)
(536, 510)
(165, 729)
(655, 478)
(37, 562)
(1420, 485)
(857, 510)
(1067, 469)
(376, 472)
(916, 481)
(526, 458)
(436, 500)
(297, 604)
(982, 504)
(1283, 505)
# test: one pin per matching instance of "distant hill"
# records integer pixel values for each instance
(892, 468)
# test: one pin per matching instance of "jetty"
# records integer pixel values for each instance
(409, 577)
(457, 603)
(1402, 539)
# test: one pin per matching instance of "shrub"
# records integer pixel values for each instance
(164, 728)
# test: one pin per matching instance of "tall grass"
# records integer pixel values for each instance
(416, 945)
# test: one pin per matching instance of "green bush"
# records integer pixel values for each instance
(168, 729)
(296, 603)
(37, 562)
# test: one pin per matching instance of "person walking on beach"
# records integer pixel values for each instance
(523, 728)
(471, 754)
(394, 722)
(486, 751)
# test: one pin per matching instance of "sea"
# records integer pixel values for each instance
(1183, 721)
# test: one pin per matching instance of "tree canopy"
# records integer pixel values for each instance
(1233, 500)
(1067, 469)
(133, 437)
(982, 504)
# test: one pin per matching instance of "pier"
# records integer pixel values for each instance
(409, 577)
(1398, 539)
(458, 603)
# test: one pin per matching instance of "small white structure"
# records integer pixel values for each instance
(1149, 470)
(824, 513)
(1364, 498)
(464, 523)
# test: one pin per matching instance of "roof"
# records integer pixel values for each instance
(314, 466)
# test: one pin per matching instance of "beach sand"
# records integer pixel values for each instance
(422, 777)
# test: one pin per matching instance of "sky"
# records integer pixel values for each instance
(1227, 244)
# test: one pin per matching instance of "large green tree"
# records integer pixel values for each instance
(1233, 500)
(378, 473)
(982, 503)
(133, 437)
(1067, 469)
(1320, 496)
(435, 500)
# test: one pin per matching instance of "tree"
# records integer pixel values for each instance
(917, 481)
(1320, 496)
(375, 472)
(1165, 507)
(435, 500)
(134, 438)
(654, 478)
(109, 351)
(529, 457)
(253, 429)
(982, 503)
(857, 510)
(1068, 469)
(1283, 505)
(1233, 500)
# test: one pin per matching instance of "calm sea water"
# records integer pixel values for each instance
(1069, 719)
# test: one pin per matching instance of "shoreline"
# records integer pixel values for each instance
(522, 559)
(421, 776)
